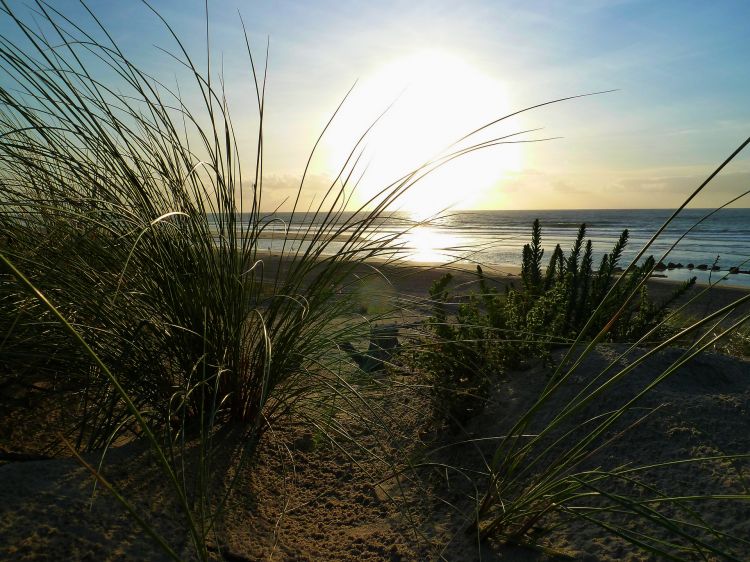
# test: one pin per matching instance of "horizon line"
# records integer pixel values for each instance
(530, 210)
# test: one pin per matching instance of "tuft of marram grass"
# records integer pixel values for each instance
(532, 476)
(133, 276)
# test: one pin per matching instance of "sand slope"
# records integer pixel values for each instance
(306, 500)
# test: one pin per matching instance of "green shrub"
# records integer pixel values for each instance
(491, 332)
(556, 306)
(458, 359)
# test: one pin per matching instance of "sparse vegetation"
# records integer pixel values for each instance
(493, 331)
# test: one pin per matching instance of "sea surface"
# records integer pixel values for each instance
(496, 238)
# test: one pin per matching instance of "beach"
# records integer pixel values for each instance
(700, 238)
(304, 498)
(376, 282)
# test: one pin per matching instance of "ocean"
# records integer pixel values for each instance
(496, 238)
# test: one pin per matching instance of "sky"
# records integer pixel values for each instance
(679, 71)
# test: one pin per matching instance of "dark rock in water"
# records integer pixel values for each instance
(660, 266)
(671, 265)
(703, 267)
(690, 266)
(715, 268)
(734, 270)
(679, 265)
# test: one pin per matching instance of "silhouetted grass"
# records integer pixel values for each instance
(133, 277)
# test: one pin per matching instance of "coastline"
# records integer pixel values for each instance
(497, 237)
(413, 279)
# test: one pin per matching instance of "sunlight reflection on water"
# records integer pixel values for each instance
(428, 244)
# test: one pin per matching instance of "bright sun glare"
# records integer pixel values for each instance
(438, 98)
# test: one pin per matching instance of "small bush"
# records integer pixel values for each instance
(459, 360)
(491, 332)
(557, 306)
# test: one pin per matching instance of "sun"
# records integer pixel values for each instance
(437, 97)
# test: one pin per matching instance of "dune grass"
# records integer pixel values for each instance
(133, 279)
(537, 474)
(540, 479)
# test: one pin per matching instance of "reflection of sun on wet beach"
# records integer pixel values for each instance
(427, 244)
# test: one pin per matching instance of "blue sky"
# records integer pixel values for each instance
(680, 69)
